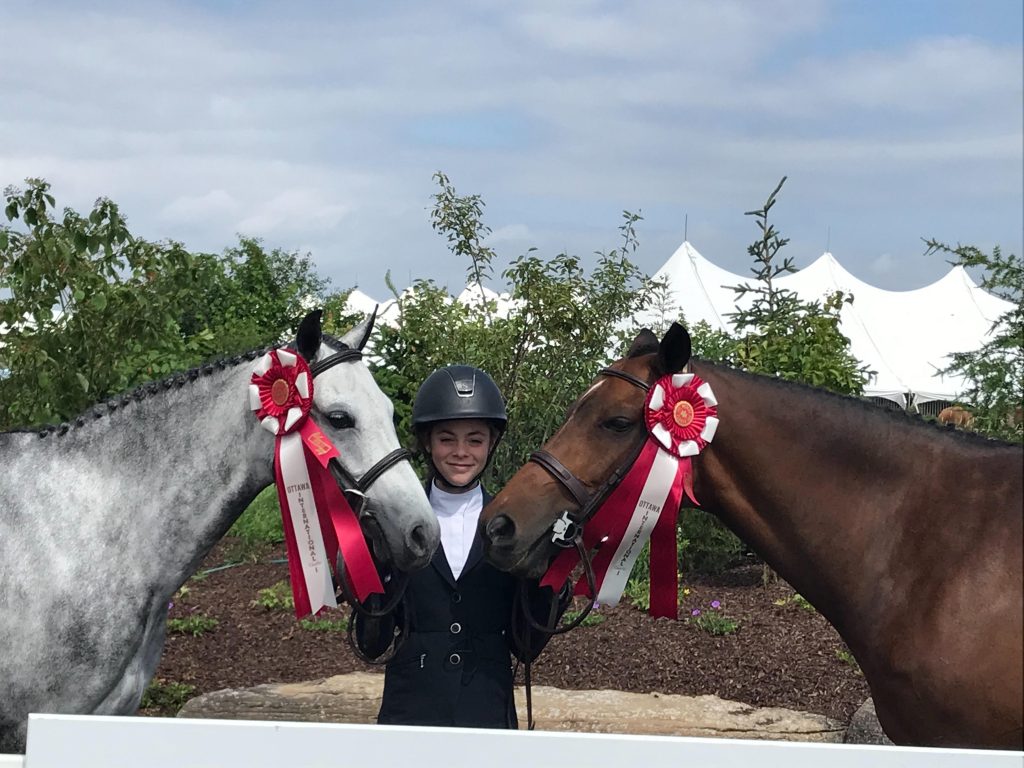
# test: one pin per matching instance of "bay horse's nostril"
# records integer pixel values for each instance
(500, 530)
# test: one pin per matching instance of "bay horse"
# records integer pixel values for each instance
(102, 520)
(905, 536)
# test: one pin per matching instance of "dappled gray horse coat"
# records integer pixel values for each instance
(100, 523)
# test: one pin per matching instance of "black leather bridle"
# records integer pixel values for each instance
(356, 489)
(567, 531)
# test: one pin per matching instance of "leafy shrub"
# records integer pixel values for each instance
(195, 625)
(324, 625)
(166, 696)
(276, 597)
(261, 521)
(713, 621)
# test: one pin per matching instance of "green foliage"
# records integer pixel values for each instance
(261, 521)
(195, 625)
(276, 597)
(782, 335)
(166, 697)
(564, 324)
(90, 310)
(592, 619)
(324, 625)
(638, 588)
(796, 599)
(713, 620)
(705, 544)
(844, 655)
(85, 309)
(995, 372)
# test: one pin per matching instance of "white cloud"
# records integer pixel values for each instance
(207, 120)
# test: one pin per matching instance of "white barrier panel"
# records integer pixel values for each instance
(11, 761)
(78, 741)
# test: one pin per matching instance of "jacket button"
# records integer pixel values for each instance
(456, 597)
(454, 659)
(456, 628)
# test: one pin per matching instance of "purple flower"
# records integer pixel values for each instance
(715, 604)
(170, 605)
(695, 612)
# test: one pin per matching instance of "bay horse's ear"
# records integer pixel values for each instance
(309, 335)
(674, 350)
(644, 344)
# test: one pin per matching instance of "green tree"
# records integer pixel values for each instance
(84, 310)
(562, 325)
(994, 372)
(88, 310)
(780, 334)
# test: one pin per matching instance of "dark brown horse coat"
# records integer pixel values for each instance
(907, 538)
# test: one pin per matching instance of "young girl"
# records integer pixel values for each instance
(454, 667)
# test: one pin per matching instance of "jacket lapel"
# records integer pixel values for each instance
(476, 549)
(440, 562)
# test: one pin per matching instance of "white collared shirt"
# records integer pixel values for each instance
(458, 515)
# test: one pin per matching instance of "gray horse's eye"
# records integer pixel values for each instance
(341, 420)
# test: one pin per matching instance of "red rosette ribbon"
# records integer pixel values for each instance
(681, 414)
(318, 521)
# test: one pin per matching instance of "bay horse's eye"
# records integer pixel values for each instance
(618, 424)
(341, 420)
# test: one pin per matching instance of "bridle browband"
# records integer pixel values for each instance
(356, 488)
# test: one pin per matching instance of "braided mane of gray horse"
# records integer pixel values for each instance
(103, 520)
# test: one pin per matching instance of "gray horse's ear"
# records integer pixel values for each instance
(369, 327)
(309, 335)
(645, 343)
(674, 349)
(357, 337)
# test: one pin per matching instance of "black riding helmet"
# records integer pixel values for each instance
(458, 392)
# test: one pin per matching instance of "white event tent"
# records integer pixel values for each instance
(906, 337)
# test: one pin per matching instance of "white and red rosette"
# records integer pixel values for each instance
(281, 391)
(318, 521)
(681, 413)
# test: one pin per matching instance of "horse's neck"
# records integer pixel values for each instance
(808, 485)
(156, 483)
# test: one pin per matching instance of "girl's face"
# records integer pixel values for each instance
(459, 449)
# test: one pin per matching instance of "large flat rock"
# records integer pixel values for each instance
(355, 698)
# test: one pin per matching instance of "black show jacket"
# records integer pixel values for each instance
(455, 666)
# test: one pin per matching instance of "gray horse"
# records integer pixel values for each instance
(103, 520)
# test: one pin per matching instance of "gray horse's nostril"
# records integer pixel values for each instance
(500, 530)
(419, 541)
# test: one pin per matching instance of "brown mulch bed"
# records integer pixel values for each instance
(782, 654)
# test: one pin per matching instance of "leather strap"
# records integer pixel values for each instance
(562, 474)
(634, 380)
(319, 366)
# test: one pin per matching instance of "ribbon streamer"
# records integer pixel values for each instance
(681, 416)
(318, 521)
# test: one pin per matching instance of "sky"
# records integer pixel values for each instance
(317, 126)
